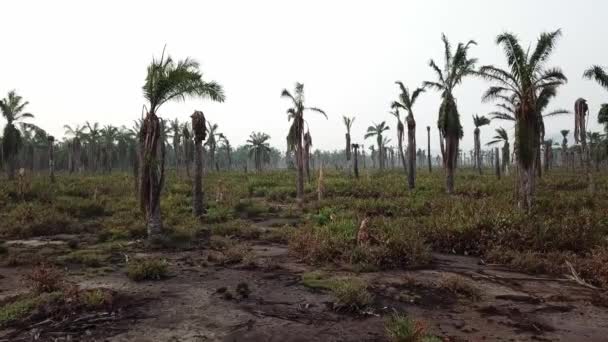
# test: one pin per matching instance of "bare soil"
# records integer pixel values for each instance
(200, 302)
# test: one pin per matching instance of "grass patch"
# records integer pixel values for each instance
(401, 328)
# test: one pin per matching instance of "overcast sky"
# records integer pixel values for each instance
(83, 60)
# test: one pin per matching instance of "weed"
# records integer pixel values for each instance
(459, 285)
(400, 328)
(44, 279)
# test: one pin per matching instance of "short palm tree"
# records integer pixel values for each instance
(259, 149)
(13, 111)
(502, 136)
(520, 85)
(407, 102)
(478, 121)
(166, 80)
(457, 66)
(295, 136)
(376, 130)
(348, 122)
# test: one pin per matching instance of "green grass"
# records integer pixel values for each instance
(147, 269)
(350, 293)
(401, 328)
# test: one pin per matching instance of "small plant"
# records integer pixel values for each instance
(400, 328)
(44, 279)
(96, 298)
(17, 310)
(459, 285)
(147, 269)
(351, 294)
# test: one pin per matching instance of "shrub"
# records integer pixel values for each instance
(400, 328)
(17, 310)
(147, 269)
(44, 279)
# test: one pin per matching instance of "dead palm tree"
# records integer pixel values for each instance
(348, 122)
(502, 136)
(457, 66)
(166, 80)
(564, 133)
(296, 132)
(407, 102)
(478, 121)
(520, 85)
(376, 130)
(12, 107)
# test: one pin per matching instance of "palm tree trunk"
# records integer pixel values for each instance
(307, 163)
(497, 162)
(51, 161)
(356, 161)
(442, 147)
(402, 154)
(428, 135)
(10, 166)
(411, 149)
(197, 191)
(300, 172)
(477, 151)
(451, 153)
(151, 178)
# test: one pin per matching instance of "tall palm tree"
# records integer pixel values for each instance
(520, 85)
(51, 141)
(356, 159)
(259, 149)
(502, 136)
(166, 80)
(199, 130)
(13, 111)
(478, 121)
(407, 102)
(77, 134)
(457, 66)
(348, 122)
(400, 134)
(92, 138)
(296, 132)
(188, 147)
(376, 130)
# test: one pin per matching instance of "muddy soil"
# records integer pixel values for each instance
(200, 302)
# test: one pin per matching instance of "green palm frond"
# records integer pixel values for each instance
(597, 73)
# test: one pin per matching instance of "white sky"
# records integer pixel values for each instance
(83, 60)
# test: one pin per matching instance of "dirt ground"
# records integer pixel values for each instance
(192, 304)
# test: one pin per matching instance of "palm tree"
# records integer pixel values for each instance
(407, 102)
(348, 122)
(108, 136)
(400, 134)
(166, 81)
(457, 66)
(12, 108)
(78, 134)
(296, 133)
(479, 121)
(377, 130)
(188, 148)
(356, 159)
(600, 75)
(307, 146)
(259, 149)
(520, 85)
(92, 137)
(51, 141)
(199, 130)
(226, 145)
(428, 150)
(564, 133)
(211, 143)
(502, 136)
(176, 135)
